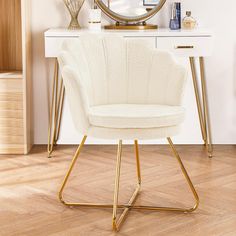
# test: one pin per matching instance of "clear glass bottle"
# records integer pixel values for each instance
(189, 22)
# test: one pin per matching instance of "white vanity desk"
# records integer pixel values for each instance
(195, 44)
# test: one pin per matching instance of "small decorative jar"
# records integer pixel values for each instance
(94, 21)
(189, 22)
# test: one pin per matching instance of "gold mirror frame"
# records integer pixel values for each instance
(130, 22)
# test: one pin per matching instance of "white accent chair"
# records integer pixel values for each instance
(121, 89)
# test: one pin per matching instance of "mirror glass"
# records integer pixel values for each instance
(131, 8)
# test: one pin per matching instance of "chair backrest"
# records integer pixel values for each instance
(119, 71)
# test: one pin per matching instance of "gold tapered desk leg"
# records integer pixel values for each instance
(202, 106)
(57, 102)
(59, 109)
(205, 108)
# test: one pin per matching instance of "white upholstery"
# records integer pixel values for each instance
(133, 116)
(121, 88)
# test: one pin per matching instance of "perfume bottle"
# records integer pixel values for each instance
(178, 13)
(189, 22)
(174, 21)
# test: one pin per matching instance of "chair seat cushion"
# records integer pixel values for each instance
(135, 116)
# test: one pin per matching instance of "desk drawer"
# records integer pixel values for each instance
(53, 45)
(186, 46)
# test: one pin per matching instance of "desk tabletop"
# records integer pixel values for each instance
(162, 32)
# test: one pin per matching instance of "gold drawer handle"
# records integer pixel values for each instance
(184, 47)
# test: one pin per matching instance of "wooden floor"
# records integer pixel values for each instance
(29, 185)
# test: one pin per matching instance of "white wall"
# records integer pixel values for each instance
(220, 69)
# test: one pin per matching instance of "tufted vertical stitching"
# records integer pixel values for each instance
(91, 77)
(106, 66)
(167, 93)
(149, 76)
(127, 69)
(91, 99)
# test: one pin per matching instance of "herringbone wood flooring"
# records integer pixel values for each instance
(29, 185)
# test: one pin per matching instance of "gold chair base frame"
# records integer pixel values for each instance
(117, 222)
(131, 27)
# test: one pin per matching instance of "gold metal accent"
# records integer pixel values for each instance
(59, 109)
(130, 27)
(94, 22)
(205, 108)
(55, 111)
(116, 223)
(202, 105)
(196, 89)
(129, 20)
(184, 47)
(74, 7)
(137, 161)
(71, 168)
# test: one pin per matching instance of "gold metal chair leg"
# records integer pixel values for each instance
(205, 109)
(70, 170)
(117, 222)
(137, 162)
(92, 205)
(185, 210)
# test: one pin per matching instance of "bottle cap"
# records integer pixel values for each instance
(188, 13)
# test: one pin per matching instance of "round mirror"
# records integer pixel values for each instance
(130, 14)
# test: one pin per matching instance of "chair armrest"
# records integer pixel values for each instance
(76, 93)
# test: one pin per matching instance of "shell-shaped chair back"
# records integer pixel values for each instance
(115, 70)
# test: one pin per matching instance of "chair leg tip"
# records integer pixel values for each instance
(210, 155)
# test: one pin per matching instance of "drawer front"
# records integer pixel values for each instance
(53, 45)
(186, 46)
(149, 41)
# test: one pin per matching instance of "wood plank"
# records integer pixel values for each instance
(27, 65)
(8, 96)
(11, 122)
(11, 75)
(16, 149)
(15, 66)
(29, 186)
(11, 105)
(11, 86)
(9, 131)
(18, 114)
(10, 35)
(11, 139)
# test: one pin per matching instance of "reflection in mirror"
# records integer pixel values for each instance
(130, 8)
(131, 14)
